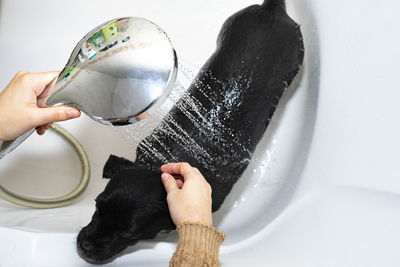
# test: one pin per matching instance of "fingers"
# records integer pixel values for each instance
(37, 81)
(53, 114)
(169, 182)
(182, 168)
(42, 81)
(179, 182)
(188, 200)
(42, 128)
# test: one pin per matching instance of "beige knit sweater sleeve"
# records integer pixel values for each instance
(198, 245)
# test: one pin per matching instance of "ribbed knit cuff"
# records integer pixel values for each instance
(198, 245)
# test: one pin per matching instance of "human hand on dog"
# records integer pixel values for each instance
(190, 199)
(19, 111)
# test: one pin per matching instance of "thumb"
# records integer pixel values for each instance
(169, 182)
(40, 81)
(54, 114)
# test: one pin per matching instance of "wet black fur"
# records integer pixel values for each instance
(259, 52)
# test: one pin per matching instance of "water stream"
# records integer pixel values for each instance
(209, 123)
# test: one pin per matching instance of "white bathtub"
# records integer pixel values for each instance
(324, 185)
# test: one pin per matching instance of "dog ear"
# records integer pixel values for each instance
(114, 164)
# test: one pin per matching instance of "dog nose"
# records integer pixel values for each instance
(87, 245)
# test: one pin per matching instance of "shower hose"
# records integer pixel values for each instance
(47, 203)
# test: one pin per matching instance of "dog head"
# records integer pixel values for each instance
(132, 207)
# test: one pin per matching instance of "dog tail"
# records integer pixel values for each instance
(271, 4)
(114, 164)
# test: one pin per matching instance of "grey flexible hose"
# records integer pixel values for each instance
(67, 199)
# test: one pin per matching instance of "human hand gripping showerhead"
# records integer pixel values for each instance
(19, 111)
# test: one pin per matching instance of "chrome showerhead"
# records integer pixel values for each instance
(118, 73)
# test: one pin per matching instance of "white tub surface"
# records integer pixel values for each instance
(323, 188)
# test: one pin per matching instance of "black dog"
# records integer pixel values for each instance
(215, 126)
